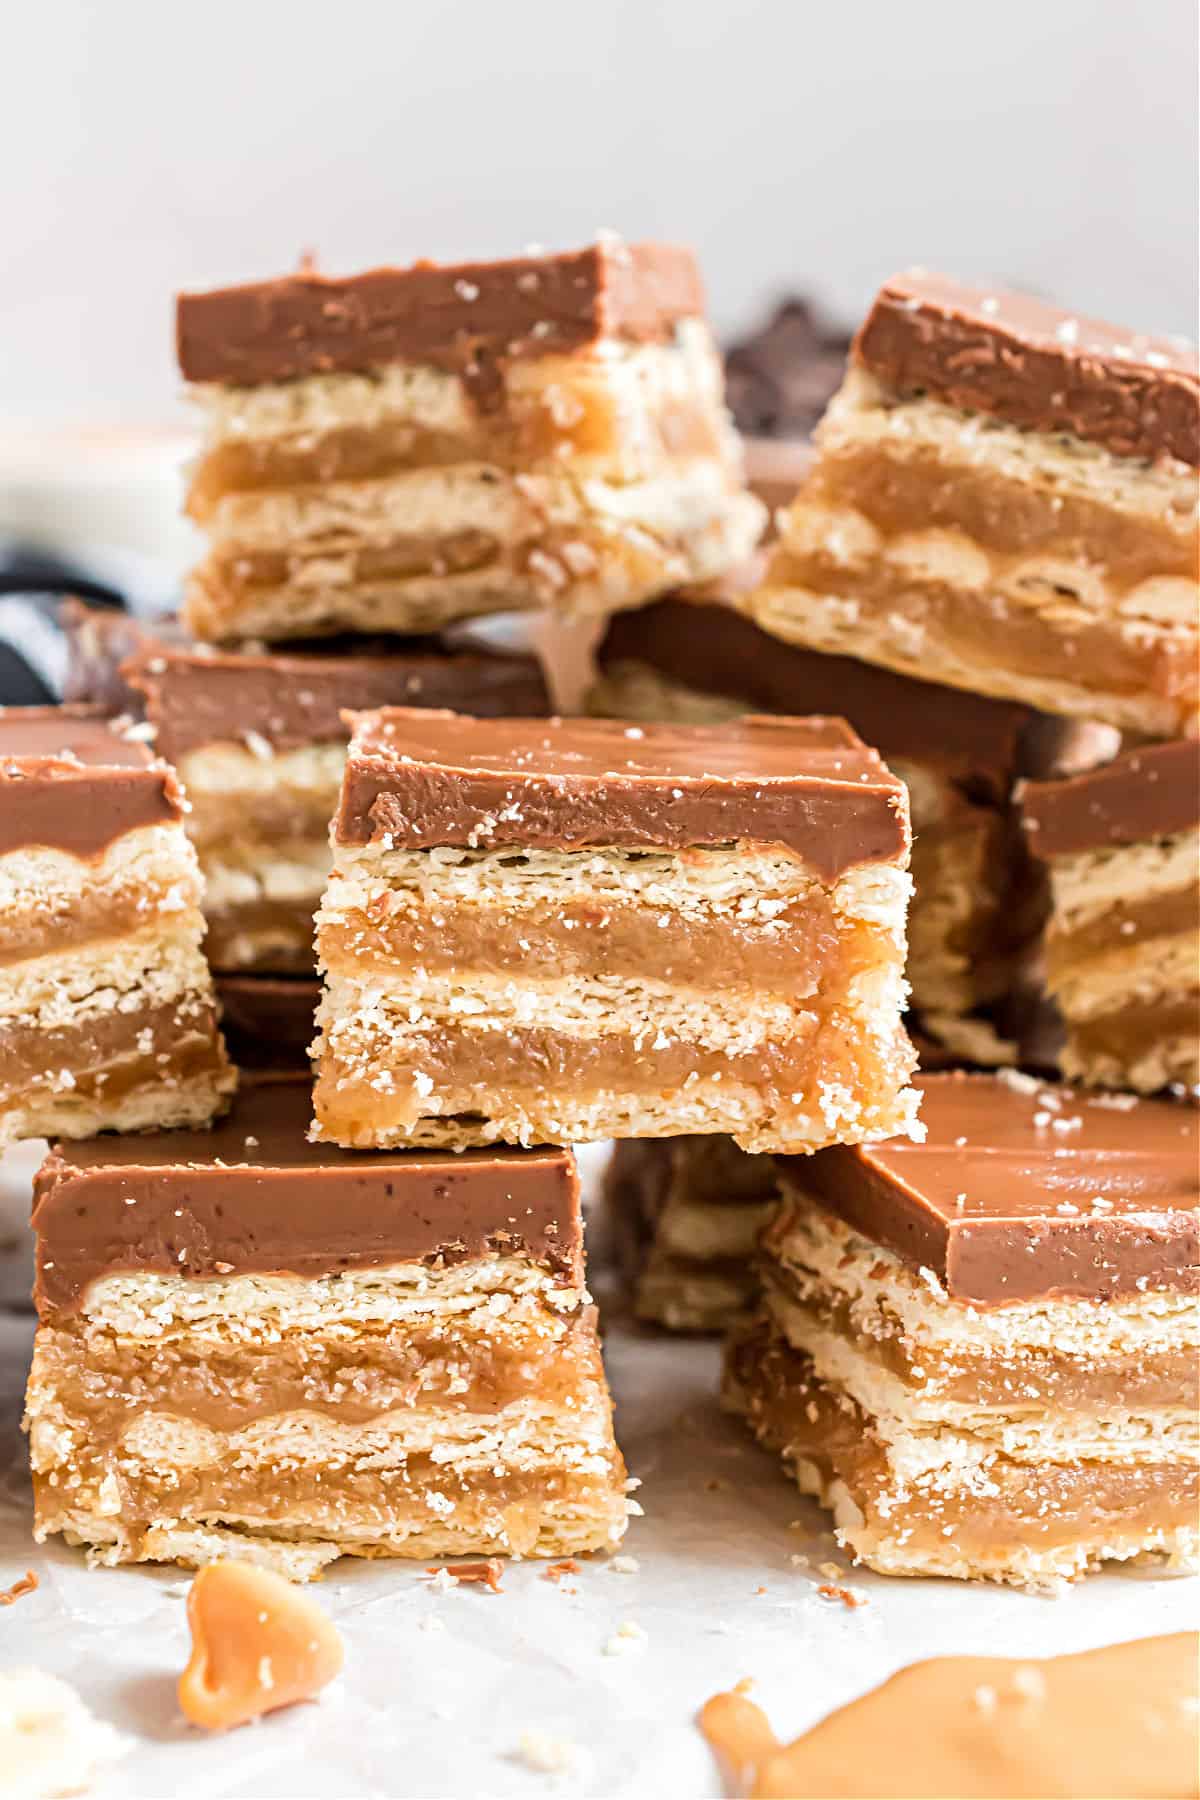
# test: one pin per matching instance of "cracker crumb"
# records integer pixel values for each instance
(851, 1597)
(556, 1570)
(628, 1636)
(548, 1755)
(624, 1565)
(487, 1573)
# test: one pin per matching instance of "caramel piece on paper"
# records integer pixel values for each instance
(258, 1643)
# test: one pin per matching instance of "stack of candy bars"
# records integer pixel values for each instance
(346, 1311)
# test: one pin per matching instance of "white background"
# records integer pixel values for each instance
(146, 146)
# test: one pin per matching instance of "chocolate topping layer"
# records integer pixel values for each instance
(1018, 1196)
(713, 649)
(1033, 365)
(421, 779)
(196, 696)
(70, 781)
(1147, 793)
(447, 314)
(253, 1196)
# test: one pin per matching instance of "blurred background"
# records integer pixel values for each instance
(804, 148)
(146, 147)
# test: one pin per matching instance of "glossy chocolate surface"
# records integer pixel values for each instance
(1026, 1191)
(1033, 366)
(254, 1196)
(422, 779)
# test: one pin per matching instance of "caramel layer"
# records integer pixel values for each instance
(361, 1508)
(496, 1073)
(1135, 1028)
(106, 1382)
(1116, 656)
(563, 419)
(1125, 924)
(89, 916)
(1043, 1506)
(1005, 518)
(110, 1056)
(803, 949)
(1034, 1377)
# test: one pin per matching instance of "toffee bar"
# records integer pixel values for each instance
(980, 1353)
(249, 1345)
(563, 930)
(686, 1214)
(107, 1016)
(396, 449)
(977, 906)
(1004, 499)
(259, 742)
(1122, 945)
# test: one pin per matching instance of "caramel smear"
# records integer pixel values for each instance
(28, 1584)
(738, 1735)
(258, 1643)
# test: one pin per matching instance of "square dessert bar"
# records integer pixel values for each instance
(107, 1017)
(686, 1213)
(1122, 946)
(258, 741)
(249, 1345)
(977, 904)
(392, 450)
(561, 930)
(981, 1353)
(1004, 499)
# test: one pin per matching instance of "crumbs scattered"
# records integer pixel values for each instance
(628, 1636)
(556, 1570)
(487, 1573)
(851, 1597)
(624, 1565)
(28, 1584)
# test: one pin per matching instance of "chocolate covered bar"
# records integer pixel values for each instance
(408, 446)
(980, 1353)
(562, 930)
(1122, 946)
(249, 1345)
(107, 1019)
(259, 742)
(1004, 500)
(686, 1214)
(977, 905)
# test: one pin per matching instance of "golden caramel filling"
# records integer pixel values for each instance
(242, 571)
(106, 1383)
(1003, 517)
(1117, 655)
(1123, 926)
(360, 1507)
(88, 917)
(499, 1071)
(1034, 1377)
(552, 427)
(112, 1055)
(1135, 1029)
(1039, 1506)
(805, 948)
